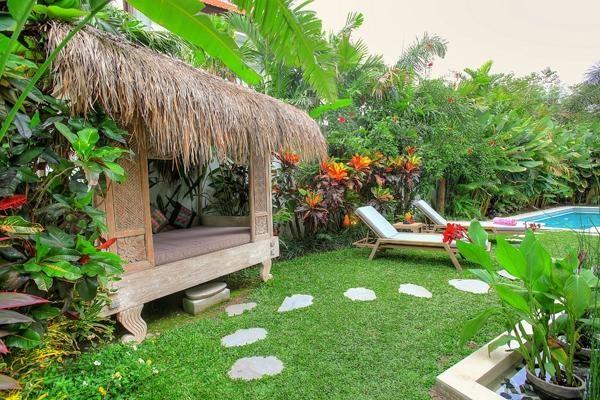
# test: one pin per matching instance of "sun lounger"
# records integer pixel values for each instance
(387, 237)
(440, 222)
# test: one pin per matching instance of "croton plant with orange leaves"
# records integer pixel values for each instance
(326, 199)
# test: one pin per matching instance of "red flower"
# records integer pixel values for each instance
(341, 120)
(430, 65)
(450, 100)
(454, 232)
(13, 202)
(105, 244)
(84, 259)
(492, 142)
(411, 150)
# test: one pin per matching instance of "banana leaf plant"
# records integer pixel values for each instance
(548, 299)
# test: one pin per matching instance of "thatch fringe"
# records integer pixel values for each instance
(173, 109)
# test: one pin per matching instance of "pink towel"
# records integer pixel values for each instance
(505, 221)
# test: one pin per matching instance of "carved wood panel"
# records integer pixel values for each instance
(260, 195)
(127, 207)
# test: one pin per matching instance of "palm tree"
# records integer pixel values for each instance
(592, 76)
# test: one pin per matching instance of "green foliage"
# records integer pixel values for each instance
(229, 190)
(545, 287)
(185, 19)
(295, 36)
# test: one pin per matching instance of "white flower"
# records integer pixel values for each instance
(134, 347)
(84, 383)
(97, 363)
(154, 370)
(141, 361)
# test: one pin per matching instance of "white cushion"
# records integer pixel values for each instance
(430, 212)
(409, 237)
(376, 222)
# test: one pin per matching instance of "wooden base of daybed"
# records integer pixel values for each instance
(142, 286)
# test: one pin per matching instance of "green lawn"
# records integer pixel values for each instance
(390, 348)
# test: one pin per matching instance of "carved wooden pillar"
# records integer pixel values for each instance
(261, 206)
(127, 207)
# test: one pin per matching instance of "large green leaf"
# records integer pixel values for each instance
(25, 340)
(183, 17)
(510, 258)
(477, 234)
(578, 295)
(61, 269)
(515, 297)
(475, 253)
(336, 105)
(296, 37)
(20, 10)
(472, 326)
(18, 226)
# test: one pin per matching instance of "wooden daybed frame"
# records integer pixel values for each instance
(127, 208)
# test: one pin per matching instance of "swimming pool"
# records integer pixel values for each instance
(579, 218)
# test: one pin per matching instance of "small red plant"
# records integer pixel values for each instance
(454, 232)
(13, 202)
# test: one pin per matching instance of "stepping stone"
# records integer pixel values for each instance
(470, 285)
(414, 290)
(506, 274)
(360, 294)
(238, 309)
(205, 290)
(250, 368)
(243, 337)
(296, 301)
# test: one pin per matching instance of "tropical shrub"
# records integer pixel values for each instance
(320, 199)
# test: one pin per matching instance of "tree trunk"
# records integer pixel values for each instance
(441, 196)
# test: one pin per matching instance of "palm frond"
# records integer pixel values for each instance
(295, 35)
(592, 76)
(418, 56)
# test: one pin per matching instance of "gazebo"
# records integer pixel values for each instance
(177, 112)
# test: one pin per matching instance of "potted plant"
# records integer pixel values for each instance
(548, 298)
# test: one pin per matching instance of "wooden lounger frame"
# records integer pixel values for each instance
(379, 244)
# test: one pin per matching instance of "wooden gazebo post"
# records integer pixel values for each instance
(261, 205)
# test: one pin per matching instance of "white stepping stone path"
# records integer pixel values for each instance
(470, 285)
(360, 294)
(250, 368)
(242, 337)
(414, 290)
(506, 274)
(238, 309)
(296, 301)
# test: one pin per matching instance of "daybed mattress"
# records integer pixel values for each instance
(179, 244)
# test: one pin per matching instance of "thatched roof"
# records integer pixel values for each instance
(173, 109)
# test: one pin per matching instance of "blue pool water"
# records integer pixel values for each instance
(581, 218)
